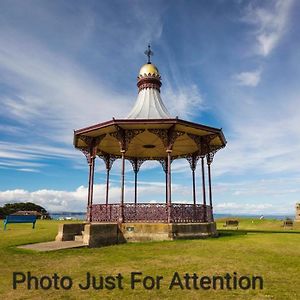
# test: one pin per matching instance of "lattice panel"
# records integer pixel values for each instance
(142, 212)
(187, 213)
(106, 213)
(209, 213)
(151, 212)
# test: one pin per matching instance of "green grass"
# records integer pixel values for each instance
(255, 224)
(274, 256)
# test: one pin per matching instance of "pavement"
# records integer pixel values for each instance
(53, 246)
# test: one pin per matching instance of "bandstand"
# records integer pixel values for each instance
(151, 133)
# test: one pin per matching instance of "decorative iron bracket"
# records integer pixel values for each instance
(108, 159)
(167, 136)
(197, 139)
(193, 160)
(210, 157)
(92, 143)
(162, 134)
(206, 142)
(125, 136)
(211, 154)
(163, 161)
(203, 142)
(136, 163)
(172, 136)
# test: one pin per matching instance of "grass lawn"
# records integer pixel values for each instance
(257, 225)
(254, 249)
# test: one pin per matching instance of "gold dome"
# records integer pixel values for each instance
(147, 69)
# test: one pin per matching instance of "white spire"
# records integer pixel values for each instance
(149, 105)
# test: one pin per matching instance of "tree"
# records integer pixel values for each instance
(2, 213)
(11, 208)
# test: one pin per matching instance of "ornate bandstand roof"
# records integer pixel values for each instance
(149, 130)
(149, 138)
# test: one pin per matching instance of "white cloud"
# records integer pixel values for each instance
(186, 102)
(276, 195)
(18, 164)
(52, 200)
(28, 170)
(62, 201)
(248, 78)
(270, 23)
(23, 157)
(49, 96)
(262, 146)
(51, 91)
(53, 95)
(31, 151)
(245, 208)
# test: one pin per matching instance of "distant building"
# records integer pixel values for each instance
(29, 213)
(297, 217)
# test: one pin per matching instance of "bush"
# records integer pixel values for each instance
(11, 208)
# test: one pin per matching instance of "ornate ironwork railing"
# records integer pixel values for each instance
(189, 213)
(145, 212)
(152, 212)
(106, 213)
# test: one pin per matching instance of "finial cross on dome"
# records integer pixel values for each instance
(149, 53)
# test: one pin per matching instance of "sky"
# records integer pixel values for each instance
(233, 64)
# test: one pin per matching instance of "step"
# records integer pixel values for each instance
(78, 238)
(52, 246)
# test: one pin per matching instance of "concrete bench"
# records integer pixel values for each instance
(231, 223)
(19, 219)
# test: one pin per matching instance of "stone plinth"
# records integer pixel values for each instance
(104, 234)
(67, 232)
(139, 232)
(194, 230)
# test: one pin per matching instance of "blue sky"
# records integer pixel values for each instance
(65, 65)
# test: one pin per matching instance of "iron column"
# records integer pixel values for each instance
(91, 185)
(203, 189)
(135, 186)
(121, 219)
(194, 184)
(107, 186)
(169, 184)
(209, 160)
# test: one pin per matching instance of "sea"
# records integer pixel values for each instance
(68, 215)
(82, 215)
